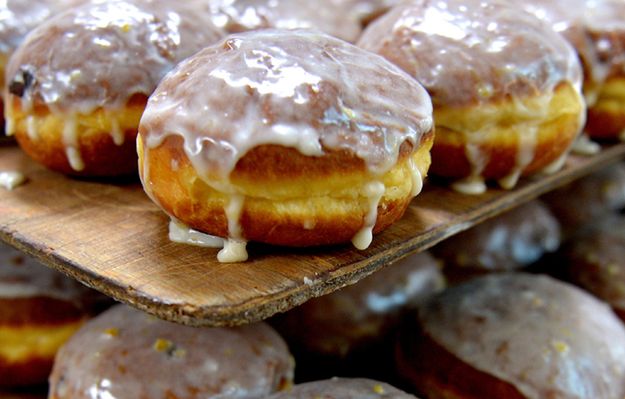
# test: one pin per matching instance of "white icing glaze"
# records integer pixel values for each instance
(524, 156)
(585, 146)
(546, 338)
(116, 132)
(334, 17)
(234, 251)
(31, 127)
(70, 141)
(10, 180)
(286, 72)
(124, 353)
(417, 178)
(473, 51)
(235, 246)
(472, 185)
(9, 126)
(556, 165)
(373, 192)
(180, 233)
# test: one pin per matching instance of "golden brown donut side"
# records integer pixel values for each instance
(606, 118)
(278, 183)
(554, 136)
(99, 153)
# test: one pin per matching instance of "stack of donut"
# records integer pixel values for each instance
(261, 120)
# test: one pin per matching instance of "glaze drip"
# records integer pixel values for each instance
(10, 180)
(373, 192)
(180, 233)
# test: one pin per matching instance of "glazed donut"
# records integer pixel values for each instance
(595, 261)
(513, 336)
(588, 199)
(343, 388)
(508, 242)
(285, 137)
(597, 30)
(334, 17)
(39, 310)
(349, 331)
(18, 18)
(505, 87)
(79, 83)
(124, 353)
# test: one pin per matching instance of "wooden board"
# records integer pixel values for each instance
(112, 238)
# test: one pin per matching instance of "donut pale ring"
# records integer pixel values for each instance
(505, 87)
(597, 30)
(39, 310)
(79, 82)
(124, 353)
(343, 388)
(513, 336)
(334, 17)
(285, 137)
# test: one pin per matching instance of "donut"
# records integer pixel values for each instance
(508, 242)
(18, 18)
(78, 84)
(290, 138)
(513, 336)
(342, 388)
(596, 28)
(124, 353)
(334, 17)
(348, 332)
(588, 199)
(505, 87)
(39, 310)
(594, 261)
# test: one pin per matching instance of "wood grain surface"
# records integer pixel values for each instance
(111, 237)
